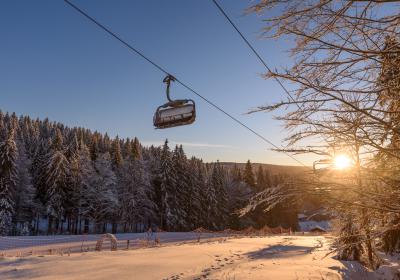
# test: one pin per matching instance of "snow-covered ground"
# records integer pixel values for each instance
(273, 257)
(28, 245)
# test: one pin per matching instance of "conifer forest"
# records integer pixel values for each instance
(61, 180)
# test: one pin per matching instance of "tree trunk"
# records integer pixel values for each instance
(69, 225)
(49, 225)
(77, 221)
(61, 226)
(37, 224)
(86, 227)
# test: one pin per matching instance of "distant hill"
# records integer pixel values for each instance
(272, 168)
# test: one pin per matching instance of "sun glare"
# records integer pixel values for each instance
(342, 162)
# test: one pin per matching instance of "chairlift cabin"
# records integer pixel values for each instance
(175, 112)
(322, 165)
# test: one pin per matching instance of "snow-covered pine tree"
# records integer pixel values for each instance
(37, 169)
(72, 186)
(350, 239)
(267, 177)
(167, 189)
(248, 175)
(261, 180)
(183, 191)
(102, 195)
(196, 187)
(136, 200)
(116, 154)
(216, 198)
(94, 146)
(391, 237)
(126, 148)
(105, 143)
(33, 141)
(26, 206)
(2, 126)
(218, 183)
(8, 180)
(236, 173)
(56, 172)
(136, 149)
(84, 176)
(201, 183)
(117, 163)
(239, 194)
(152, 158)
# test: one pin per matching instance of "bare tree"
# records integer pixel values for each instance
(346, 98)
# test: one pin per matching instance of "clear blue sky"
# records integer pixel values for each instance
(55, 63)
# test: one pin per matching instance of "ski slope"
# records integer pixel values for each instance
(272, 257)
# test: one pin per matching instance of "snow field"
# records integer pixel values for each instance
(64, 244)
(273, 257)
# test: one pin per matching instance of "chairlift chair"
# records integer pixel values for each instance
(325, 165)
(174, 112)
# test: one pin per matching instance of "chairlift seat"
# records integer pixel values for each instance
(176, 113)
(325, 163)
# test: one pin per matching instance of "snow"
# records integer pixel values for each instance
(301, 216)
(272, 257)
(310, 224)
(25, 245)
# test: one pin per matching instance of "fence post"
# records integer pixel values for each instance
(83, 240)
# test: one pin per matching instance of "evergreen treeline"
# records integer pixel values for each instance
(55, 179)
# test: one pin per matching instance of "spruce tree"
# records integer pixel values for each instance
(136, 149)
(84, 181)
(3, 131)
(216, 198)
(167, 189)
(236, 173)
(116, 154)
(56, 169)
(94, 147)
(267, 177)
(37, 169)
(261, 180)
(211, 202)
(102, 196)
(8, 180)
(248, 176)
(136, 204)
(26, 206)
(349, 240)
(218, 183)
(195, 188)
(183, 192)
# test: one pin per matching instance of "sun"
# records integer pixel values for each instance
(342, 162)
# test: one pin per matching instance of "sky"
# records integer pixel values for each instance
(55, 63)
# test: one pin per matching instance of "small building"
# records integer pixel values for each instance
(317, 220)
(317, 229)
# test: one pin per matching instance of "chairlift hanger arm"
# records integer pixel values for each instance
(168, 80)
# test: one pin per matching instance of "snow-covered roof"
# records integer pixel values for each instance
(309, 225)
